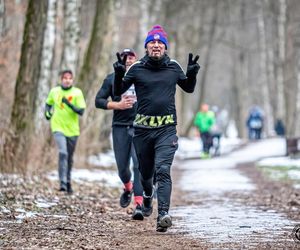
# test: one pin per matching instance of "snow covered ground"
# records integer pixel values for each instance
(220, 218)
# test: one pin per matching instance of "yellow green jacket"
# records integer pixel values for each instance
(64, 119)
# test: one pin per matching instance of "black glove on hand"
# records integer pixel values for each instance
(79, 111)
(48, 113)
(120, 65)
(193, 67)
(65, 100)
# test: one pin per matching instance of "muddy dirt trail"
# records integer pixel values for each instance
(221, 203)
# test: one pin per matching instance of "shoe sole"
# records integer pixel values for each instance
(161, 229)
(125, 205)
(164, 223)
(138, 216)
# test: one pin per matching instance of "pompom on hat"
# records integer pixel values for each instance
(157, 33)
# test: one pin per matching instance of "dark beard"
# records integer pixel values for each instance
(155, 58)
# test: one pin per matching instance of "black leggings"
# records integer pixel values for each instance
(124, 150)
(206, 141)
(155, 151)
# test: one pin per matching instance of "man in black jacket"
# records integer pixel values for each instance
(155, 78)
(124, 107)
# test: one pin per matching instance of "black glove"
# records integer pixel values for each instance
(120, 65)
(79, 111)
(65, 100)
(48, 113)
(193, 67)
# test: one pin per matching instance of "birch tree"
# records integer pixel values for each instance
(17, 146)
(71, 35)
(46, 65)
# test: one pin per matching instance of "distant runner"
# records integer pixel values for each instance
(204, 121)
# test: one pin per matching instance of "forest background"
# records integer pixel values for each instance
(249, 55)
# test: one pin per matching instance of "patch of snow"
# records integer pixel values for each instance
(107, 177)
(294, 174)
(4, 210)
(20, 210)
(41, 203)
(103, 159)
(25, 214)
(279, 161)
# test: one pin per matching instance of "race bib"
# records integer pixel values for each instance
(131, 93)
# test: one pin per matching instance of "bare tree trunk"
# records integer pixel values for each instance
(90, 73)
(239, 72)
(44, 81)
(149, 14)
(204, 68)
(242, 82)
(290, 84)
(297, 132)
(297, 70)
(71, 35)
(264, 83)
(281, 51)
(204, 71)
(235, 108)
(94, 69)
(2, 18)
(16, 148)
(291, 68)
(272, 80)
(143, 27)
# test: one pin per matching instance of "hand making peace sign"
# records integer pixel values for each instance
(120, 65)
(193, 67)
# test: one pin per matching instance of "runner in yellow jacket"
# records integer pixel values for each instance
(63, 106)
